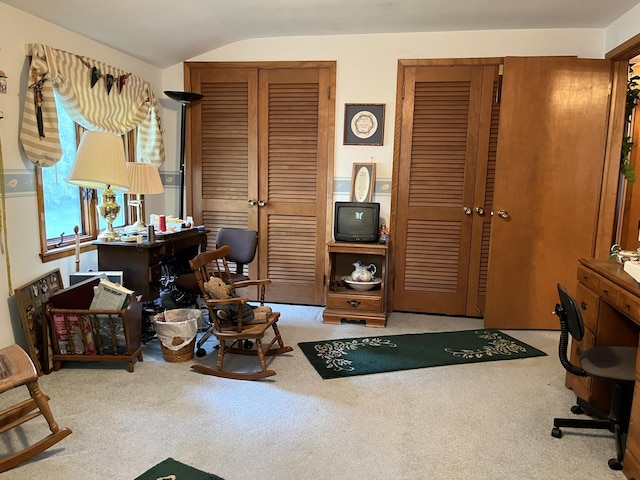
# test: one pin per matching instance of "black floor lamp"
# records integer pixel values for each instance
(185, 98)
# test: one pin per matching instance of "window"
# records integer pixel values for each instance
(63, 206)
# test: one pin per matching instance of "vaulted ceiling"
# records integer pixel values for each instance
(167, 32)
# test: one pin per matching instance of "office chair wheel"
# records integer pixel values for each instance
(577, 410)
(201, 352)
(248, 344)
(615, 464)
(556, 432)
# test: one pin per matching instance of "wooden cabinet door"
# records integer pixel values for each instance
(444, 192)
(551, 154)
(261, 144)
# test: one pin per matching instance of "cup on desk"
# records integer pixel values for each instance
(151, 234)
(162, 223)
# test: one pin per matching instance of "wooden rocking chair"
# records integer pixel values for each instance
(237, 337)
(16, 370)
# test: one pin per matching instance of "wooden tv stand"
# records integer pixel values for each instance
(343, 304)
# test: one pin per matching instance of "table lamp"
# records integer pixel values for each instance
(144, 179)
(100, 163)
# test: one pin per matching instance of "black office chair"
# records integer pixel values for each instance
(607, 362)
(243, 244)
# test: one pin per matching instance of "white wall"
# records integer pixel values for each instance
(624, 28)
(23, 261)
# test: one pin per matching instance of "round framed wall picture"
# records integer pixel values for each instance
(363, 124)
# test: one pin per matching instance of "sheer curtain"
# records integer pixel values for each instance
(96, 95)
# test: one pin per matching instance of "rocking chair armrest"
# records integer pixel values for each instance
(250, 283)
(227, 301)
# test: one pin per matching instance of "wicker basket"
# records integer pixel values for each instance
(182, 354)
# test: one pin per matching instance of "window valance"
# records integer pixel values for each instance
(96, 95)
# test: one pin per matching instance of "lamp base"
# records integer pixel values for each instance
(109, 210)
(109, 235)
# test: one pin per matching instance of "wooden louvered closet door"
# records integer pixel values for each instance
(445, 172)
(262, 139)
(293, 182)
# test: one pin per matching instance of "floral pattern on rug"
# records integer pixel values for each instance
(334, 353)
(497, 346)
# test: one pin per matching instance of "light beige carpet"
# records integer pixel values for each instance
(481, 421)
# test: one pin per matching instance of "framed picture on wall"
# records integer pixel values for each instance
(363, 180)
(363, 123)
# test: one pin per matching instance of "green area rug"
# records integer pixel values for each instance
(348, 357)
(171, 469)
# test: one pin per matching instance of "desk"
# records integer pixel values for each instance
(609, 300)
(142, 263)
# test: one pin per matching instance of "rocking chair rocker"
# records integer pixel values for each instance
(16, 370)
(239, 337)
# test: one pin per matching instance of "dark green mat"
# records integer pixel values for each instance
(348, 357)
(181, 471)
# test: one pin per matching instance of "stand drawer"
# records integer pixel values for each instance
(345, 301)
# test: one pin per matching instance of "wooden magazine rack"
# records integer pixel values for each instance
(82, 335)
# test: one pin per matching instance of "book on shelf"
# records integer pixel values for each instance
(73, 327)
(110, 296)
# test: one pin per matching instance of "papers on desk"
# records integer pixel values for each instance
(633, 269)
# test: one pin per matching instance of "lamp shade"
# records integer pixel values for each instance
(144, 178)
(100, 161)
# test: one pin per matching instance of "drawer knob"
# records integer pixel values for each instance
(583, 305)
(354, 303)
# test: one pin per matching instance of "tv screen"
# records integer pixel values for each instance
(356, 222)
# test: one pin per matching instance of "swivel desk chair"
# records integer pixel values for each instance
(607, 362)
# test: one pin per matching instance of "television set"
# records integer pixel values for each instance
(356, 222)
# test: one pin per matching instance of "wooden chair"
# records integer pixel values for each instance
(237, 337)
(16, 370)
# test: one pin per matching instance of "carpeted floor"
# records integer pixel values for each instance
(483, 421)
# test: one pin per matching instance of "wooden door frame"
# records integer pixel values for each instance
(620, 56)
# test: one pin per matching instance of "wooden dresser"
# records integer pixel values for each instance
(609, 300)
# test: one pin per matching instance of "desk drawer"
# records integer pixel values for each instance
(588, 303)
(588, 278)
(628, 304)
(608, 291)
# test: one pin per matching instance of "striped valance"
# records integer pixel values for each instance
(96, 95)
